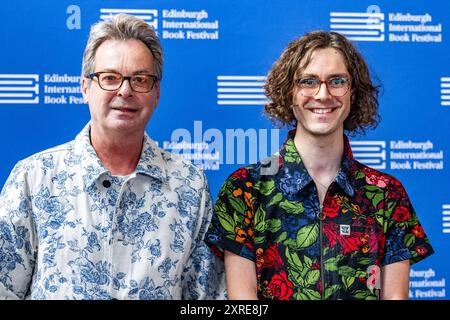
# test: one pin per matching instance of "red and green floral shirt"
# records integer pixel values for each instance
(272, 215)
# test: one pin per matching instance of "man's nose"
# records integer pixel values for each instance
(125, 89)
(323, 93)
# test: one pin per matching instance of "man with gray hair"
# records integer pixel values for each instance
(110, 215)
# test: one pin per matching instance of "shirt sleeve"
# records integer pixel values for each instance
(17, 234)
(405, 236)
(232, 226)
(204, 274)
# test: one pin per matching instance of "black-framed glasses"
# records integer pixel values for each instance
(112, 81)
(310, 86)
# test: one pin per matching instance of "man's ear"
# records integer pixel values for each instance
(157, 92)
(85, 83)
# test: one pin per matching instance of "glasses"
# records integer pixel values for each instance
(336, 86)
(112, 81)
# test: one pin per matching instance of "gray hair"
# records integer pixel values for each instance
(122, 27)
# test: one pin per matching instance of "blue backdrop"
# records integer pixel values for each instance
(217, 54)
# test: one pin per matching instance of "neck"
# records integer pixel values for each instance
(322, 156)
(120, 154)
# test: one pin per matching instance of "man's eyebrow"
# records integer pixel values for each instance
(108, 70)
(333, 75)
(304, 75)
(141, 71)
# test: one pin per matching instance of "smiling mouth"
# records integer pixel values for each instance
(125, 110)
(322, 110)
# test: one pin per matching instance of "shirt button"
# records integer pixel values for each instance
(106, 183)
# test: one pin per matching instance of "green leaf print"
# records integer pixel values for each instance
(312, 277)
(297, 277)
(307, 235)
(282, 237)
(348, 281)
(375, 194)
(300, 296)
(332, 263)
(226, 221)
(308, 262)
(273, 225)
(409, 240)
(259, 240)
(265, 187)
(364, 261)
(277, 198)
(238, 205)
(346, 271)
(311, 294)
(360, 174)
(293, 260)
(259, 220)
(292, 207)
(331, 290)
(291, 152)
(360, 294)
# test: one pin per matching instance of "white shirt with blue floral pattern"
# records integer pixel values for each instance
(71, 230)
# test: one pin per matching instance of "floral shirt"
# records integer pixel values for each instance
(71, 230)
(305, 251)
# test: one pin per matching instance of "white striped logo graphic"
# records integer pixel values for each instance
(358, 26)
(370, 153)
(446, 218)
(148, 15)
(241, 90)
(19, 88)
(445, 91)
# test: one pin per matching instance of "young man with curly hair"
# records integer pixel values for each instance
(321, 225)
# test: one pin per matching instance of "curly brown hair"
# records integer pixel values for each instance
(280, 80)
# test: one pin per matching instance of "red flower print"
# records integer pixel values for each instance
(249, 246)
(379, 181)
(418, 231)
(349, 243)
(331, 207)
(401, 214)
(272, 258)
(370, 240)
(396, 191)
(240, 174)
(280, 286)
(421, 250)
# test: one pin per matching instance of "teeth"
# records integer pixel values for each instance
(321, 111)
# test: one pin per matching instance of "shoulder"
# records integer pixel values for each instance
(44, 159)
(249, 173)
(249, 179)
(178, 168)
(376, 177)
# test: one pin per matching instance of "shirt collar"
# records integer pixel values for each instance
(291, 162)
(151, 162)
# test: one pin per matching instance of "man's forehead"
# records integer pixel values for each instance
(113, 53)
(309, 57)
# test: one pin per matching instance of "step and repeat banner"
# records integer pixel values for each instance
(216, 57)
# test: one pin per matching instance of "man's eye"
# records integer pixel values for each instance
(337, 82)
(140, 79)
(110, 77)
(308, 82)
